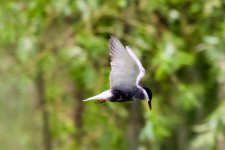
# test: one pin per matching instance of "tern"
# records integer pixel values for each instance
(126, 73)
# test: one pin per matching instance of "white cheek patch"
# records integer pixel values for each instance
(146, 95)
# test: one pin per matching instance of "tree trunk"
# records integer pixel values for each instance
(134, 126)
(40, 85)
(78, 111)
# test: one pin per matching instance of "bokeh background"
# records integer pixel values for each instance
(54, 53)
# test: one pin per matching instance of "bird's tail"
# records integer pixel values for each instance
(104, 95)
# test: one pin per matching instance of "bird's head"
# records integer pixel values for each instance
(149, 92)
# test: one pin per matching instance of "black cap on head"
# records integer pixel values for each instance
(149, 92)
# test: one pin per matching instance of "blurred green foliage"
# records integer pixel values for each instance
(54, 53)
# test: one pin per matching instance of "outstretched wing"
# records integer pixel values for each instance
(126, 69)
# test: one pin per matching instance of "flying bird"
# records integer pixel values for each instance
(126, 73)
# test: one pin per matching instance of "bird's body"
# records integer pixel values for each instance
(125, 75)
(130, 94)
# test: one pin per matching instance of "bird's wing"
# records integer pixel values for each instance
(126, 69)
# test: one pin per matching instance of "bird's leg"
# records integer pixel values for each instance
(101, 101)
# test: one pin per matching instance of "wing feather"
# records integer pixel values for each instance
(126, 69)
(140, 67)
